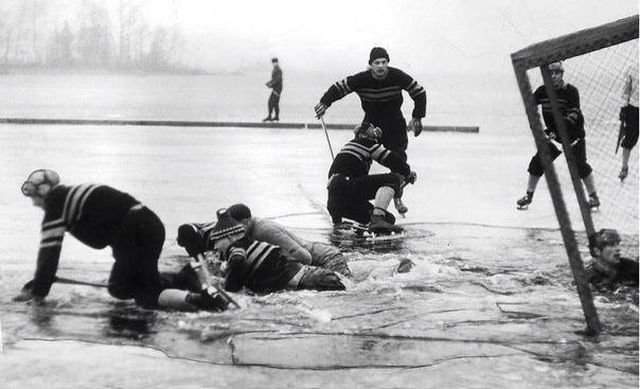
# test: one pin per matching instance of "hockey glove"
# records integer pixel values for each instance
(320, 109)
(415, 125)
(411, 178)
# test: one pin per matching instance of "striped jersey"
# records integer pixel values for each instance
(380, 98)
(91, 213)
(258, 266)
(355, 158)
(569, 102)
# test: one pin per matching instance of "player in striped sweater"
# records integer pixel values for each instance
(569, 101)
(380, 91)
(259, 266)
(100, 216)
(351, 186)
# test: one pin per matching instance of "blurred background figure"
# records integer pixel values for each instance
(275, 84)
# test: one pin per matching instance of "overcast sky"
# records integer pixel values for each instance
(455, 35)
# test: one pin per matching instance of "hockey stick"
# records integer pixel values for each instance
(205, 281)
(62, 280)
(326, 134)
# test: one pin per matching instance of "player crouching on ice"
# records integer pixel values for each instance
(351, 187)
(609, 270)
(100, 216)
(259, 266)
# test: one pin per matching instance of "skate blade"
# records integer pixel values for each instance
(522, 207)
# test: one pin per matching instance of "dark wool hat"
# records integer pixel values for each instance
(239, 211)
(274, 59)
(378, 52)
(226, 226)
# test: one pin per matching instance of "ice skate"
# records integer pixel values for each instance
(381, 226)
(523, 203)
(267, 119)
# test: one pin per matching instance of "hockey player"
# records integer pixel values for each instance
(294, 247)
(629, 118)
(100, 216)
(380, 91)
(195, 238)
(569, 101)
(608, 269)
(351, 187)
(259, 266)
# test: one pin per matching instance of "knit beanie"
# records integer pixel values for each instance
(378, 52)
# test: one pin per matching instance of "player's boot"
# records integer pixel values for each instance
(267, 119)
(594, 201)
(379, 225)
(400, 207)
(524, 202)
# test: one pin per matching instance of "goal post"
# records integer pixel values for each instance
(595, 60)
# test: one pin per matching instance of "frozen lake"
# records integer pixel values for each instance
(489, 303)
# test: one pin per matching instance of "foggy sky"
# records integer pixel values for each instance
(457, 36)
(443, 35)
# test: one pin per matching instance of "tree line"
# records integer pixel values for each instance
(86, 34)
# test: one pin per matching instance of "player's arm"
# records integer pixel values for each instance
(237, 269)
(335, 92)
(573, 112)
(391, 160)
(52, 235)
(419, 96)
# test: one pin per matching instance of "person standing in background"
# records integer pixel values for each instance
(629, 117)
(275, 84)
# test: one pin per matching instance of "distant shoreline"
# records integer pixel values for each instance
(84, 70)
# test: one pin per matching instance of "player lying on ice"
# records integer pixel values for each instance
(100, 216)
(609, 270)
(351, 186)
(195, 237)
(259, 266)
